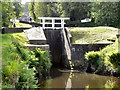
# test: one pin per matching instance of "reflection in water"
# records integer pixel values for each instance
(59, 79)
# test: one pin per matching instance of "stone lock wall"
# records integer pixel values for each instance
(78, 51)
(12, 30)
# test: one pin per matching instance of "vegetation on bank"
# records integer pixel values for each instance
(19, 64)
(92, 34)
(21, 25)
(106, 61)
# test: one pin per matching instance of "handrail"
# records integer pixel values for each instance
(53, 22)
(68, 35)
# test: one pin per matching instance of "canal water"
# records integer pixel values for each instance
(59, 78)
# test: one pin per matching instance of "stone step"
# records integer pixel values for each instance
(36, 35)
(32, 47)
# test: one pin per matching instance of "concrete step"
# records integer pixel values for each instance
(36, 36)
(33, 46)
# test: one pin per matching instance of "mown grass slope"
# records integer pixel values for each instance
(92, 34)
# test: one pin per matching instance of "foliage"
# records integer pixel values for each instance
(41, 61)
(27, 78)
(107, 61)
(10, 10)
(11, 72)
(44, 59)
(31, 9)
(15, 68)
(74, 10)
(110, 84)
(46, 9)
(93, 57)
(101, 13)
(20, 64)
(114, 58)
(105, 13)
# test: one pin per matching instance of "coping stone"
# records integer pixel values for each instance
(36, 35)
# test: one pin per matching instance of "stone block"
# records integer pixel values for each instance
(36, 35)
(33, 47)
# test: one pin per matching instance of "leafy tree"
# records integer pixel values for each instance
(31, 9)
(17, 9)
(40, 9)
(7, 13)
(74, 10)
(10, 10)
(105, 13)
(43, 9)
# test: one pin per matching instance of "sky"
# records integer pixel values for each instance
(24, 1)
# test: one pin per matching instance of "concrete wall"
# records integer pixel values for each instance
(54, 39)
(78, 51)
(59, 47)
(12, 30)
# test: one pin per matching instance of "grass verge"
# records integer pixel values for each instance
(92, 35)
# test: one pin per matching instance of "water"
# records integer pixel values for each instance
(65, 79)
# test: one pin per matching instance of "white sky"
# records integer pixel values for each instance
(24, 1)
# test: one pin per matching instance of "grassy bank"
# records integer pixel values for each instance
(21, 25)
(19, 64)
(107, 60)
(92, 34)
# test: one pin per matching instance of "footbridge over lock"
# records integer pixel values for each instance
(52, 31)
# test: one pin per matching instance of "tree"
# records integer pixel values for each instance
(10, 10)
(74, 10)
(105, 13)
(7, 13)
(31, 9)
(42, 9)
(17, 9)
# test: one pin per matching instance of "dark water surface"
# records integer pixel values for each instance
(66, 79)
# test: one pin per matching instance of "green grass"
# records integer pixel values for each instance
(21, 25)
(92, 34)
(7, 39)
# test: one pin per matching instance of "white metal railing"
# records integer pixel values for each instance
(53, 21)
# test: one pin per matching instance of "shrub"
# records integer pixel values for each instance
(93, 57)
(44, 62)
(107, 60)
(26, 77)
(15, 69)
(11, 72)
(114, 58)
(96, 61)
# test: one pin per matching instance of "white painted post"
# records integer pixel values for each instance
(43, 23)
(53, 23)
(62, 23)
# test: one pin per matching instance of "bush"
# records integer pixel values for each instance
(107, 60)
(92, 56)
(26, 78)
(19, 64)
(114, 58)
(95, 61)
(43, 62)
(11, 72)
(16, 73)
